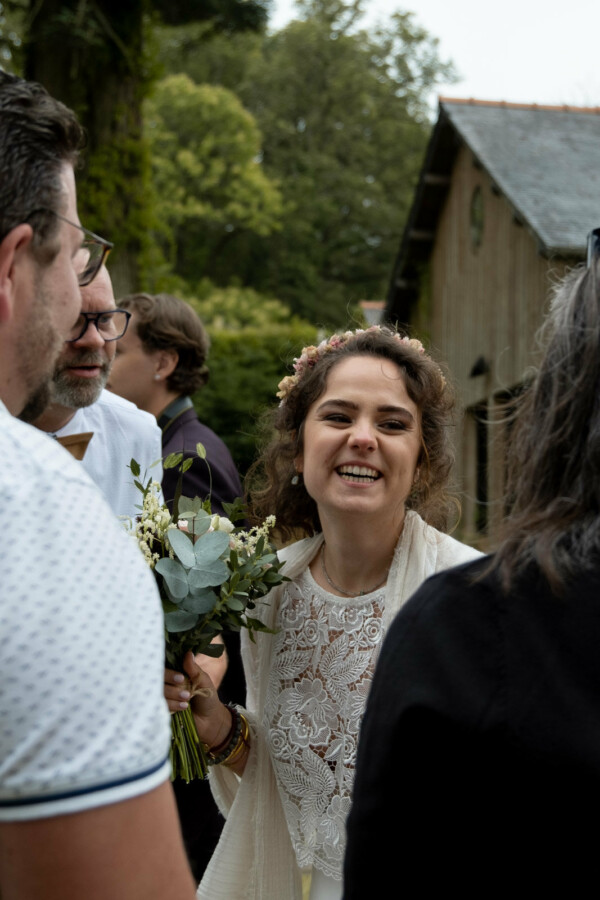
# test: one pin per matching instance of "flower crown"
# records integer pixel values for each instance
(311, 355)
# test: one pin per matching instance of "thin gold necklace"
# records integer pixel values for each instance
(341, 590)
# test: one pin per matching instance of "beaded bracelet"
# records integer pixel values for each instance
(231, 749)
(243, 743)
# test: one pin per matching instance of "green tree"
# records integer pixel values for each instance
(210, 188)
(344, 119)
(98, 57)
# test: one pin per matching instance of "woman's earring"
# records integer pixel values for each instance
(157, 377)
(295, 479)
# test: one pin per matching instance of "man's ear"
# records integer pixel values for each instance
(166, 361)
(13, 252)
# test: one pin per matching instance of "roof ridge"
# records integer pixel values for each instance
(471, 101)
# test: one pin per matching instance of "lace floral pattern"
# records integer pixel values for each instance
(323, 661)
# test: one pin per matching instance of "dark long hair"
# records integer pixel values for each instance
(554, 460)
(271, 490)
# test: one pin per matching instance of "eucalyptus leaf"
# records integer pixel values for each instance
(135, 468)
(176, 601)
(209, 574)
(191, 505)
(183, 546)
(201, 451)
(187, 464)
(211, 547)
(175, 577)
(180, 621)
(201, 602)
(200, 525)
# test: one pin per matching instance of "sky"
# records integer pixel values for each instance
(524, 51)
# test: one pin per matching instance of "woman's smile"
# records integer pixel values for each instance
(358, 474)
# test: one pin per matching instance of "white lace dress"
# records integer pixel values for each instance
(323, 660)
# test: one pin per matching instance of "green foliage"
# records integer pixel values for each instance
(221, 15)
(344, 125)
(223, 60)
(253, 341)
(344, 119)
(208, 183)
(11, 29)
(124, 159)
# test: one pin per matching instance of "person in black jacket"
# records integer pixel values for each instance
(478, 767)
(160, 362)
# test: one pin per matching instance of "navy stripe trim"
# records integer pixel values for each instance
(49, 798)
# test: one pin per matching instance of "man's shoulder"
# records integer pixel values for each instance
(122, 423)
(189, 431)
(111, 406)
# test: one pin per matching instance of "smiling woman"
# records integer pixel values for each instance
(361, 445)
(360, 448)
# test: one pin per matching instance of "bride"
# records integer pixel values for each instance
(359, 465)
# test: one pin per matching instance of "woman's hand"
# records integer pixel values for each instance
(212, 718)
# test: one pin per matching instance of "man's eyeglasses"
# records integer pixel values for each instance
(92, 253)
(111, 325)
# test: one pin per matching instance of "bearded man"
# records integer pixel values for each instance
(80, 405)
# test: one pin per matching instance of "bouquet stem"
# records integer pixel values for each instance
(188, 758)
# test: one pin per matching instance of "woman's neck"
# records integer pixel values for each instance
(356, 558)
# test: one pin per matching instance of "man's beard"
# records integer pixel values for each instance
(38, 347)
(73, 391)
(36, 404)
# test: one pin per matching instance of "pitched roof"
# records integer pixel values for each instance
(544, 159)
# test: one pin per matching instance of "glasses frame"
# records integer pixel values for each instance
(94, 316)
(89, 273)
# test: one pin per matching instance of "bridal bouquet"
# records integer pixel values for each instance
(210, 575)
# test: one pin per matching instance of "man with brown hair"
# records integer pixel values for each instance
(85, 805)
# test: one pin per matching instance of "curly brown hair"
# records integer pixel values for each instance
(271, 490)
(164, 322)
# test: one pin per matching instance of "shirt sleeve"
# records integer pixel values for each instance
(84, 721)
